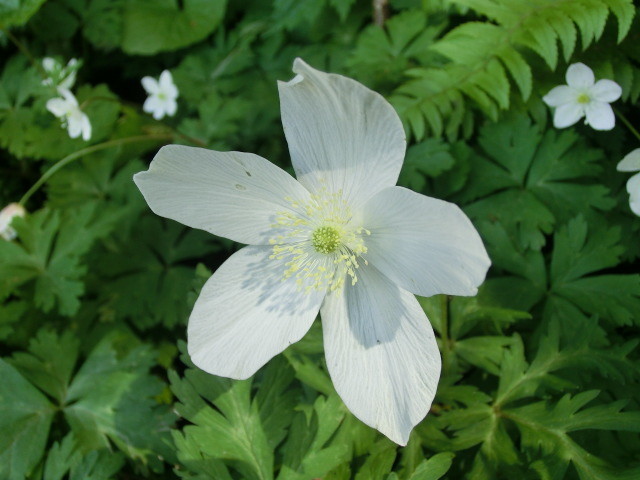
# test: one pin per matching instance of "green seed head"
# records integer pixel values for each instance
(325, 239)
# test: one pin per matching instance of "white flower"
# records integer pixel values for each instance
(162, 95)
(74, 119)
(62, 77)
(582, 97)
(631, 163)
(7, 214)
(342, 240)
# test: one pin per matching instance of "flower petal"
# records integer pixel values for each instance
(600, 116)
(152, 105)
(606, 91)
(232, 194)
(567, 114)
(341, 135)
(58, 107)
(381, 354)
(630, 162)
(171, 106)
(633, 186)
(425, 245)
(579, 76)
(86, 128)
(246, 314)
(559, 96)
(166, 84)
(150, 85)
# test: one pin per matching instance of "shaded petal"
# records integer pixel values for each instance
(579, 76)
(171, 106)
(424, 245)
(166, 84)
(600, 116)
(150, 85)
(630, 162)
(74, 124)
(341, 135)
(605, 91)
(86, 128)
(633, 186)
(634, 204)
(58, 107)
(559, 96)
(246, 314)
(231, 194)
(381, 354)
(567, 114)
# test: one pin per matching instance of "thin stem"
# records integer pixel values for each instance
(85, 151)
(627, 123)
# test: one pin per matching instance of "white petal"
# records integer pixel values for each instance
(381, 354)
(579, 76)
(634, 204)
(48, 64)
(167, 86)
(68, 96)
(341, 135)
(58, 107)
(633, 186)
(630, 162)
(74, 124)
(171, 106)
(600, 116)
(231, 194)
(150, 84)
(152, 105)
(605, 91)
(86, 128)
(559, 96)
(425, 245)
(246, 314)
(567, 114)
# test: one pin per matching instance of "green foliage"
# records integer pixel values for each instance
(540, 371)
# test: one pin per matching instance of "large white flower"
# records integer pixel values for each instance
(162, 95)
(342, 240)
(631, 163)
(583, 96)
(75, 120)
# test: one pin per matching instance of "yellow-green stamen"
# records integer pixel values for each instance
(583, 98)
(325, 239)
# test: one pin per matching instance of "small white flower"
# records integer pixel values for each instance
(582, 97)
(162, 95)
(59, 76)
(7, 214)
(631, 163)
(342, 240)
(75, 120)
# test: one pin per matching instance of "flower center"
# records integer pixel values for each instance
(583, 98)
(325, 239)
(321, 246)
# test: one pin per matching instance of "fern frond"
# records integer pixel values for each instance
(481, 56)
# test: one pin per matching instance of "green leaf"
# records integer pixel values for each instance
(15, 13)
(152, 26)
(430, 158)
(25, 418)
(434, 467)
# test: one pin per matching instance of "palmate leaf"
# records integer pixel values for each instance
(233, 433)
(109, 401)
(529, 181)
(66, 458)
(147, 280)
(48, 256)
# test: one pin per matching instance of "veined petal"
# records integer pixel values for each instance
(381, 353)
(341, 135)
(567, 114)
(425, 245)
(606, 91)
(630, 162)
(600, 115)
(231, 194)
(150, 85)
(559, 96)
(246, 314)
(579, 76)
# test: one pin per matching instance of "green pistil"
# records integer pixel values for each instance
(325, 239)
(584, 98)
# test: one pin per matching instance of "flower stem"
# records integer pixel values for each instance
(85, 151)
(627, 123)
